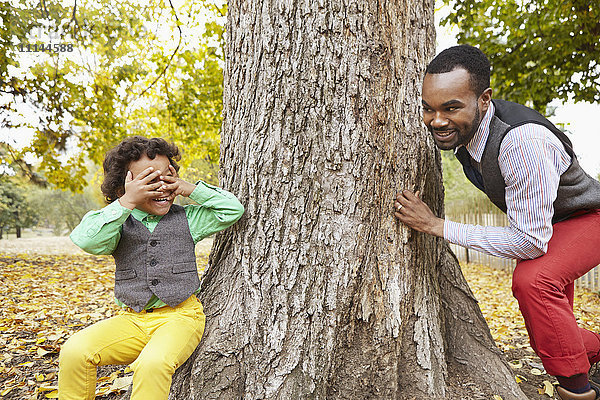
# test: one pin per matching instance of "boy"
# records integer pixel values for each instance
(152, 241)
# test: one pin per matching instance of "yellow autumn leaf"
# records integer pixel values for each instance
(547, 389)
(41, 352)
(496, 397)
(6, 391)
(45, 388)
(52, 395)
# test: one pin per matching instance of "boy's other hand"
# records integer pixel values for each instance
(145, 186)
(176, 185)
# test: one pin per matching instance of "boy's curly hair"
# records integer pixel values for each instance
(117, 160)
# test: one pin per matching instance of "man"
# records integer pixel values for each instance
(527, 167)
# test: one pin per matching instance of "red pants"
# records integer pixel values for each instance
(544, 288)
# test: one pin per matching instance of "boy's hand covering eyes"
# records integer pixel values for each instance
(146, 185)
(175, 185)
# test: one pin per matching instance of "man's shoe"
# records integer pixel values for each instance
(564, 394)
(594, 375)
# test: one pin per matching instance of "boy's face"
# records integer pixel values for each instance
(161, 205)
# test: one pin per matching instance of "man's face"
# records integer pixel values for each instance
(451, 110)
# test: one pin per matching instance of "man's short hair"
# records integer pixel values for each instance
(466, 57)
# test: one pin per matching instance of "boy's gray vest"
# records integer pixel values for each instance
(162, 262)
(577, 190)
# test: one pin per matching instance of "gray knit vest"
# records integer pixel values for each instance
(162, 262)
(577, 190)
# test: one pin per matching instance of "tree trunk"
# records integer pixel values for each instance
(317, 292)
(18, 231)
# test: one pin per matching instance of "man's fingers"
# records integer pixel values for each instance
(128, 177)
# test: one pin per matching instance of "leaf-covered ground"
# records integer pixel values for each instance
(45, 298)
(492, 288)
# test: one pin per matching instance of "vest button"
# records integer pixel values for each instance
(153, 263)
(153, 243)
(154, 282)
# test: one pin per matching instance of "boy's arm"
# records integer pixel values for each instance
(99, 231)
(217, 210)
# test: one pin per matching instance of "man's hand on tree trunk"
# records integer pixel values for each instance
(413, 212)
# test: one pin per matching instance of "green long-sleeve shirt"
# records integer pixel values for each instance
(99, 231)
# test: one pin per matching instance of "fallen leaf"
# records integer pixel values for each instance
(121, 383)
(548, 389)
(535, 371)
(516, 364)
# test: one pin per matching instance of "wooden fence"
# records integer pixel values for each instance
(591, 280)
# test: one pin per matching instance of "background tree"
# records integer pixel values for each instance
(121, 78)
(16, 211)
(317, 292)
(63, 209)
(540, 50)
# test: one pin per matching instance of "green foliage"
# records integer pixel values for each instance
(539, 49)
(460, 195)
(128, 74)
(63, 210)
(16, 210)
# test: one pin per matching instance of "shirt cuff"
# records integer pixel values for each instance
(114, 211)
(456, 233)
(205, 191)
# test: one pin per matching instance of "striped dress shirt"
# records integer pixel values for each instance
(531, 160)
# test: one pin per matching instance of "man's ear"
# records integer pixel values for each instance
(485, 99)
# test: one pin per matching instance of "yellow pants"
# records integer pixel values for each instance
(154, 343)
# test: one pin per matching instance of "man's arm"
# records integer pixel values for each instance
(531, 168)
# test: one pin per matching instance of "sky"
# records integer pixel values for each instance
(578, 118)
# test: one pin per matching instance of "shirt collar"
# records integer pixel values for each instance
(143, 215)
(477, 145)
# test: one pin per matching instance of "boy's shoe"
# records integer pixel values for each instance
(564, 394)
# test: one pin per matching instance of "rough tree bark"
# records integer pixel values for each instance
(317, 292)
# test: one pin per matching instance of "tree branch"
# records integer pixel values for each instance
(170, 59)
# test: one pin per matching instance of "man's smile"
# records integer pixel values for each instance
(444, 135)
